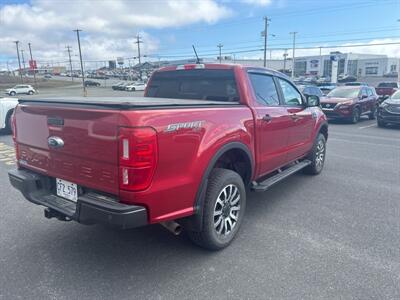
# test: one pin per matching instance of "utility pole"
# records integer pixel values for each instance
(33, 66)
(80, 57)
(294, 49)
(265, 34)
(70, 61)
(138, 42)
(220, 52)
(19, 62)
(284, 60)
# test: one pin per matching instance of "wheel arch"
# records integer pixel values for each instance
(194, 222)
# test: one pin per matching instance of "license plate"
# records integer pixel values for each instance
(67, 190)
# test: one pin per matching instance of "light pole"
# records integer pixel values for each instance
(294, 49)
(70, 61)
(220, 53)
(33, 66)
(19, 62)
(398, 66)
(285, 55)
(80, 57)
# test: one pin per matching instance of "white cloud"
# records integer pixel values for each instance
(108, 26)
(258, 2)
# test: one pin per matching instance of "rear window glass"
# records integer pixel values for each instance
(388, 84)
(197, 84)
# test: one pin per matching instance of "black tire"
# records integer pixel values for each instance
(133, 89)
(8, 127)
(30, 93)
(317, 156)
(372, 114)
(381, 123)
(355, 117)
(13, 93)
(219, 181)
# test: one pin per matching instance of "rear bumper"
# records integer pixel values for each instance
(91, 207)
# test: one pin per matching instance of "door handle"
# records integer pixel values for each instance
(296, 117)
(267, 118)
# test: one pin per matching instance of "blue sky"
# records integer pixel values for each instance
(317, 23)
(169, 28)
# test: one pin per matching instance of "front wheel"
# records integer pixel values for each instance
(223, 210)
(13, 93)
(381, 123)
(372, 114)
(30, 93)
(317, 156)
(355, 116)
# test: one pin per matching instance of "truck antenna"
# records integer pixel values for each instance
(197, 57)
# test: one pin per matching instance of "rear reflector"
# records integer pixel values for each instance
(137, 157)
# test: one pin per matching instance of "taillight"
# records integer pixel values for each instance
(14, 136)
(137, 157)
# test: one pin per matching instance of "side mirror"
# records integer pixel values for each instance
(312, 100)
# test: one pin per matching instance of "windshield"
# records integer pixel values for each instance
(344, 93)
(199, 84)
(388, 84)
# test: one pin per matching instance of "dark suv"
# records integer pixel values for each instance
(350, 103)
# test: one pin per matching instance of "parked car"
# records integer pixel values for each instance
(391, 74)
(47, 76)
(91, 83)
(346, 78)
(182, 155)
(387, 88)
(120, 86)
(136, 86)
(117, 85)
(7, 106)
(389, 111)
(327, 87)
(356, 84)
(21, 89)
(350, 103)
(310, 90)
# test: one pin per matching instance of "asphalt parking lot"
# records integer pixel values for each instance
(336, 235)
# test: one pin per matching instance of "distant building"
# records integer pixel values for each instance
(359, 65)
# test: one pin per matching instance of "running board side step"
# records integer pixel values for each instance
(266, 184)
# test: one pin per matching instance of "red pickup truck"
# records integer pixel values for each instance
(387, 89)
(182, 156)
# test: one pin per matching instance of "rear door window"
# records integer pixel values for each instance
(264, 89)
(196, 84)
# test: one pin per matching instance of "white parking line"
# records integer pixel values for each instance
(363, 127)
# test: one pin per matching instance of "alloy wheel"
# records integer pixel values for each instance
(226, 210)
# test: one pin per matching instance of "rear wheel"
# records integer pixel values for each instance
(13, 93)
(223, 210)
(317, 156)
(355, 117)
(30, 93)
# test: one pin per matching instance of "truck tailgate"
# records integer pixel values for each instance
(89, 155)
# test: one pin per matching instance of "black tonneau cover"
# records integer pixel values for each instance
(126, 102)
